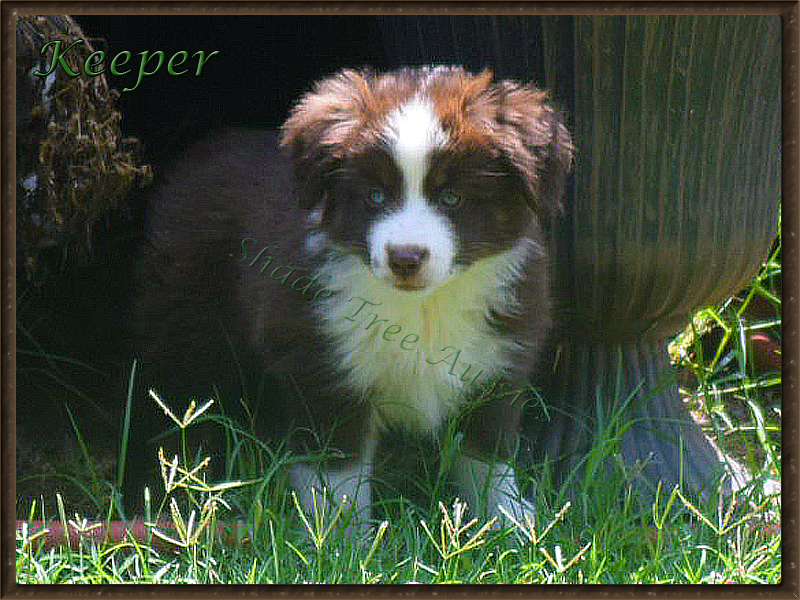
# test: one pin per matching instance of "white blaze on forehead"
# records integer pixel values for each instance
(412, 132)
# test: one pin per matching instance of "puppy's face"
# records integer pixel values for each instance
(423, 172)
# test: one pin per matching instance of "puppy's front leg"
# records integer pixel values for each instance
(492, 434)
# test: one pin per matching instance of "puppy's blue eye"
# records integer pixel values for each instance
(450, 198)
(376, 197)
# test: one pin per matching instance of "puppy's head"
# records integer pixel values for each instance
(423, 172)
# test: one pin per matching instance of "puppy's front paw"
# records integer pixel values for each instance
(495, 488)
(344, 494)
(519, 511)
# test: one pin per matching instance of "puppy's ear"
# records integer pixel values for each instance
(535, 140)
(557, 161)
(321, 127)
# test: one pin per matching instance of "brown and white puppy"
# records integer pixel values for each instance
(425, 187)
(421, 197)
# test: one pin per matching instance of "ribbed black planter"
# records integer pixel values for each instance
(673, 207)
(614, 408)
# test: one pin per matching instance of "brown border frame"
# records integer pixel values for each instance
(789, 12)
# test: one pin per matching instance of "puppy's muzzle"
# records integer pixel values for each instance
(406, 263)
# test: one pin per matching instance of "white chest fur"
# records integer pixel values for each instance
(414, 356)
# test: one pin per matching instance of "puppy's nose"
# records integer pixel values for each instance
(406, 260)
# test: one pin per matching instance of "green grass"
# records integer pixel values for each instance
(569, 546)
(602, 536)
